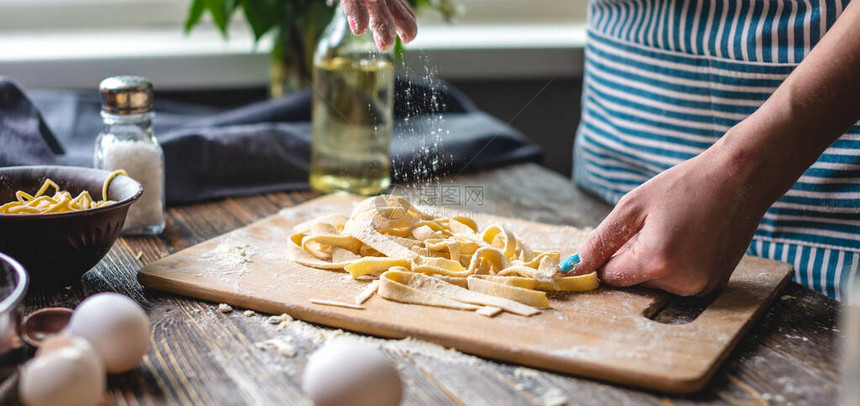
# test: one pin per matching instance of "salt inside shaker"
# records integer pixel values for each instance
(127, 142)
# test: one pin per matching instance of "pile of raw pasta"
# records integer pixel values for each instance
(436, 261)
(60, 202)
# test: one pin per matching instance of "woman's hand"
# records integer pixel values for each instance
(684, 231)
(384, 17)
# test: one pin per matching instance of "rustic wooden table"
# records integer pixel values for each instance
(201, 356)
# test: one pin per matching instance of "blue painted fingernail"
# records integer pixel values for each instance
(569, 263)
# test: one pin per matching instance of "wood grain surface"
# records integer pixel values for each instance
(200, 356)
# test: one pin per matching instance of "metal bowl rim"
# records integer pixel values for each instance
(17, 295)
(124, 202)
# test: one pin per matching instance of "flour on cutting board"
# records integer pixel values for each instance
(231, 253)
(231, 257)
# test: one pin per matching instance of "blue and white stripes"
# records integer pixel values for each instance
(781, 31)
(666, 78)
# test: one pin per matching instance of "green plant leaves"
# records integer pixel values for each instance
(299, 23)
(261, 15)
(221, 11)
(318, 16)
(195, 11)
(399, 50)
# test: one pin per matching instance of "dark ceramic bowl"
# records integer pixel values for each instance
(58, 248)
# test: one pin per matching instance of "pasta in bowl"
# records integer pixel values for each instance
(60, 229)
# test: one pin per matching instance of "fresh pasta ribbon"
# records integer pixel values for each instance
(399, 284)
(436, 261)
(580, 283)
(60, 202)
(509, 291)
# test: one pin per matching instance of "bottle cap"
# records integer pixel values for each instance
(126, 95)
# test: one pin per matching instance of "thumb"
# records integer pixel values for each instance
(612, 233)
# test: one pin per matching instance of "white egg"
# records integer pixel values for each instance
(345, 373)
(116, 326)
(66, 371)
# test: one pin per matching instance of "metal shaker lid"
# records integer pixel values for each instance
(126, 95)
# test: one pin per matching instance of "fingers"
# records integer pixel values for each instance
(356, 15)
(687, 286)
(404, 20)
(384, 17)
(626, 268)
(612, 233)
(381, 23)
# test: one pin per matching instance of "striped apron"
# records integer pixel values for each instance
(664, 79)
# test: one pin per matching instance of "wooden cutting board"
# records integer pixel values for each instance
(602, 334)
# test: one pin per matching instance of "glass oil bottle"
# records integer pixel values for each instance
(353, 103)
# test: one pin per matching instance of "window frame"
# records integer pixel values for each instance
(42, 15)
(489, 42)
(27, 15)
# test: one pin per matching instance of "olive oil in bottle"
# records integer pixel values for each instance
(353, 102)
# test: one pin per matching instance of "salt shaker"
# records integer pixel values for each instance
(127, 142)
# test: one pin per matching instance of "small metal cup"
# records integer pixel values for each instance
(13, 287)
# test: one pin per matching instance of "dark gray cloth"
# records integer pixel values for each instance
(262, 147)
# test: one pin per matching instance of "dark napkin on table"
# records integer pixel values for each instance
(262, 147)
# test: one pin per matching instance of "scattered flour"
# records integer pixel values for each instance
(406, 346)
(231, 256)
(526, 373)
(283, 318)
(279, 345)
(554, 398)
(579, 352)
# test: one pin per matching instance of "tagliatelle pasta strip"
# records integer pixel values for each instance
(517, 281)
(335, 303)
(433, 286)
(525, 296)
(374, 266)
(488, 311)
(367, 293)
(400, 285)
(434, 261)
(60, 202)
(581, 283)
